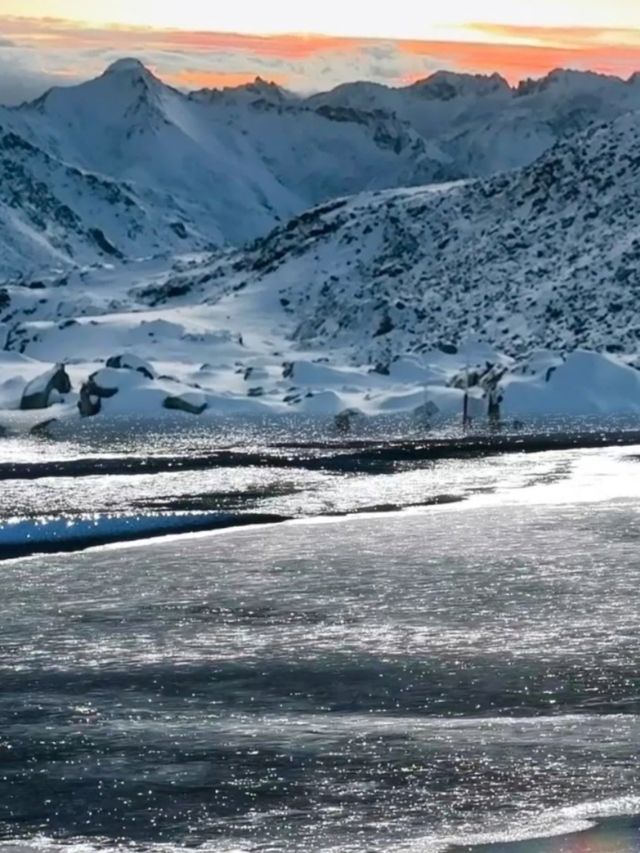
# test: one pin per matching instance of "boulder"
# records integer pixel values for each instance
(38, 392)
(128, 361)
(345, 421)
(256, 374)
(193, 404)
(98, 387)
(88, 404)
(426, 412)
(42, 429)
(95, 390)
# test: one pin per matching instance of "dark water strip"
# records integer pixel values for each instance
(368, 458)
(74, 535)
(117, 530)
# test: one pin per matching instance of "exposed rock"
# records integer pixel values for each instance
(38, 393)
(88, 404)
(424, 413)
(345, 421)
(96, 389)
(42, 428)
(255, 373)
(128, 361)
(186, 403)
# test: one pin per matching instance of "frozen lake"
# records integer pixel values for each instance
(386, 681)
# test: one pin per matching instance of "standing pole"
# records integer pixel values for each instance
(465, 402)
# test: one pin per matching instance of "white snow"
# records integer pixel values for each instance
(587, 383)
(125, 167)
(391, 301)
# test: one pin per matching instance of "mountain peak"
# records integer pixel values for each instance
(130, 88)
(127, 65)
(258, 91)
(132, 71)
(566, 79)
(265, 89)
(445, 85)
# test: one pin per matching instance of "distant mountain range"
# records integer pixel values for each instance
(547, 256)
(124, 167)
(522, 283)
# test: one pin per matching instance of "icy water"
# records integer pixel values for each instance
(455, 674)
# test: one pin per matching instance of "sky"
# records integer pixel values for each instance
(310, 46)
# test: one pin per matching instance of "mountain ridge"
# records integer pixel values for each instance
(222, 167)
(521, 285)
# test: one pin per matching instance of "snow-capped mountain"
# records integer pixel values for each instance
(385, 301)
(126, 167)
(482, 125)
(544, 257)
(205, 170)
(54, 214)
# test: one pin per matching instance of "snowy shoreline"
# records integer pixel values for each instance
(619, 833)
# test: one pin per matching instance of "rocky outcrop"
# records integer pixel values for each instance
(39, 393)
(128, 361)
(193, 404)
(92, 393)
(88, 404)
(41, 430)
(345, 421)
(425, 413)
(137, 394)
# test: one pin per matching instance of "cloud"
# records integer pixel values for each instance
(520, 61)
(49, 51)
(576, 38)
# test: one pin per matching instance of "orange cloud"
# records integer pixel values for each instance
(519, 61)
(287, 46)
(54, 49)
(62, 33)
(563, 37)
(217, 79)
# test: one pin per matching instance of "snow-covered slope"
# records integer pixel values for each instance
(483, 125)
(53, 214)
(547, 256)
(386, 302)
(199, 171)
(125, 167)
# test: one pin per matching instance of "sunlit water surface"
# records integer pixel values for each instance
(405, 681)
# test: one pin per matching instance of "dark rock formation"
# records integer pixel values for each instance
(131, 362)
(344, 421)
(37, 394)
(88, 404)
(181, 405)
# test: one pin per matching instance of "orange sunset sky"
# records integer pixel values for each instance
(304, 46)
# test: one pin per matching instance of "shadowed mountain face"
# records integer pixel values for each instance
(530, 274)
(194, 171)
(545, 256)
(125, 167)
(520, 285)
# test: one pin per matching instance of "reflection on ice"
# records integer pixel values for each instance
(452, 674)
(20, 537)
